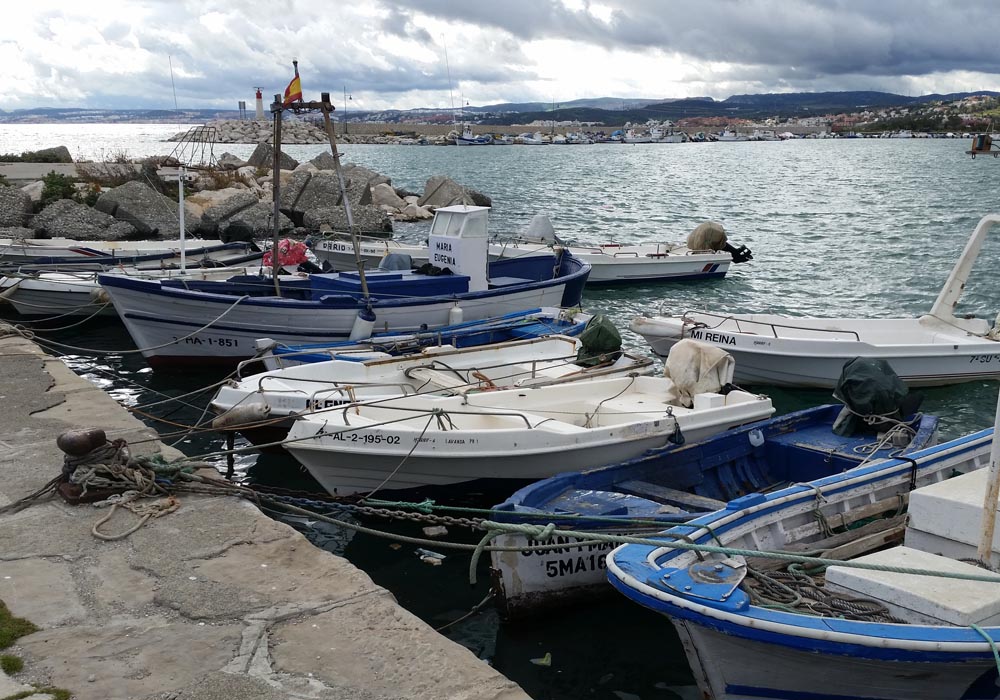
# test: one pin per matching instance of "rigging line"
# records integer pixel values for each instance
(139, 350)
(416, 442)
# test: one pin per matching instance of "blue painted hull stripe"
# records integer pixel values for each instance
(772, 693)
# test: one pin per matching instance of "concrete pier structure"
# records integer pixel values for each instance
(213, 601)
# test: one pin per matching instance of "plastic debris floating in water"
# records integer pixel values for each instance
(544, 660)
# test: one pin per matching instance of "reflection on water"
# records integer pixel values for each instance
(862, 228)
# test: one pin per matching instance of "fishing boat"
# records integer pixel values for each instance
(210, 322)
(533, 323)
(677, 483)
(262, 407)
(514, 434)
(875, 626)
(935, 349)
(470, 139)
(70, 293)
(611, 263)
(64, 253)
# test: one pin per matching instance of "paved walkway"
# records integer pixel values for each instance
(213, 601)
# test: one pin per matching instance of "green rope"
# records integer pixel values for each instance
(536, 531)
(993, 645)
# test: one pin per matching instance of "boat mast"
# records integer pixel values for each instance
(326, 107)
(944, 307)
(985, 551)
(276, 109)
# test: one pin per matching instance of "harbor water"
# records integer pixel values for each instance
(846, 227)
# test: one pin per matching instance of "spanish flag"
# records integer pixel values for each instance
(293, 92)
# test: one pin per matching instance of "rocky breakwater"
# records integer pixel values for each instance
(231, 202)
(298, 131)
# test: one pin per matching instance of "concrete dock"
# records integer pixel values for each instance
(213, 601)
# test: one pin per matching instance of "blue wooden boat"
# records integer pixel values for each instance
(850, 633)
(532, 323)
(201, 323)
(668, 486)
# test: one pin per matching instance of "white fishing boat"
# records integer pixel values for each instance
(210, 322)
(263, 406)
(935, 349)
(611, 263)
(65, 253)
(468, 138)
(70, 293)
(515, 434)
(899, 609)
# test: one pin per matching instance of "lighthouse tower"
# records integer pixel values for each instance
(260, 106)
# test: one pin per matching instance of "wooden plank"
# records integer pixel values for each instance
(843, 545)
(668, 496)
(843, 519)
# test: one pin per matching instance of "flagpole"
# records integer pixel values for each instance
(276, 110)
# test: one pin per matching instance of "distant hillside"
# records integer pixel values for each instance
(41, 115)
(607, 110)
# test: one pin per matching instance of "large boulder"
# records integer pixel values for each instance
(226, 203)
(324, 161)
(367, 219)
(309, 191)
(263, 157)
(15, 207)
(66, 218)
(384, 195)
(442, 191)
(59, 154)
(353, 171)
(34, 190)
(258, 218)
(227, 161)
(411, 212)
(147, 210)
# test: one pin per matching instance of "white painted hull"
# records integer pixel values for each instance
(18, 251)
(935, 357)
(161, 324)
(611, 263)
(512, 434)
(301, 389)
(730, 668)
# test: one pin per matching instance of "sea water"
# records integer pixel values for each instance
(858, 228)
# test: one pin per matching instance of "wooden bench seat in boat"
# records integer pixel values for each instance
(671, 497)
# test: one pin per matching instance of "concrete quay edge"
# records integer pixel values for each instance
(215, 600)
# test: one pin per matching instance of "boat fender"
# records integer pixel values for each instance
(99, 296)
(455, 315)
(994, 332)
(242, 415)
(364, 324)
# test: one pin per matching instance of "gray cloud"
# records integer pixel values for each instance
(394, 49)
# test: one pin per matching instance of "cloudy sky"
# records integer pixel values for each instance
(437, 53)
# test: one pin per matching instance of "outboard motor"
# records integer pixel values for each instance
(710, 235)
(875, 398)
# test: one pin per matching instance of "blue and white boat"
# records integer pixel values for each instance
(470, 139)
(533, 323)
(857, 633)
(208, 322)
(667, 486)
